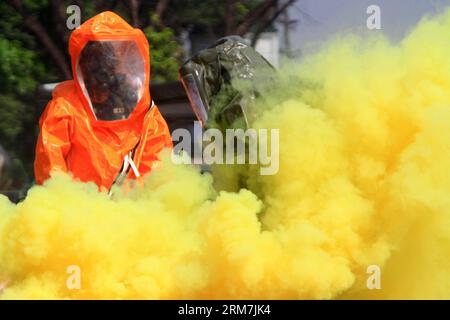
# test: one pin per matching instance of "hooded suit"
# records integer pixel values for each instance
(104, 116)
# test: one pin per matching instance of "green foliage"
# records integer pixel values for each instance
(23, 65)
(19, 68)
(34, 5)
(209, 15)
(164, 54)
(13, 114)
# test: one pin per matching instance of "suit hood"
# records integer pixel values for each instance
(109, 57)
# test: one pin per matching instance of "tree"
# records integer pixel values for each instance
(46, 19)
(165, 52)
(22, 65)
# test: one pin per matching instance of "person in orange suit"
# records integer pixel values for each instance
(103, 124)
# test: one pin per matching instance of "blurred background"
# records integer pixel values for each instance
(34, 38)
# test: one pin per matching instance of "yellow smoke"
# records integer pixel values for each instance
(364, 180)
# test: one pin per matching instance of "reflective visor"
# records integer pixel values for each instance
(112, 76)
(199, 108)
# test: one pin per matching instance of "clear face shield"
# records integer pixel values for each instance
(199, 107)
(112, 76)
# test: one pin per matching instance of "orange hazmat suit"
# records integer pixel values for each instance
(103, 120)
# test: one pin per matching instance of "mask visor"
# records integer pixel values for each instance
(111, 75)
(199, 108)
